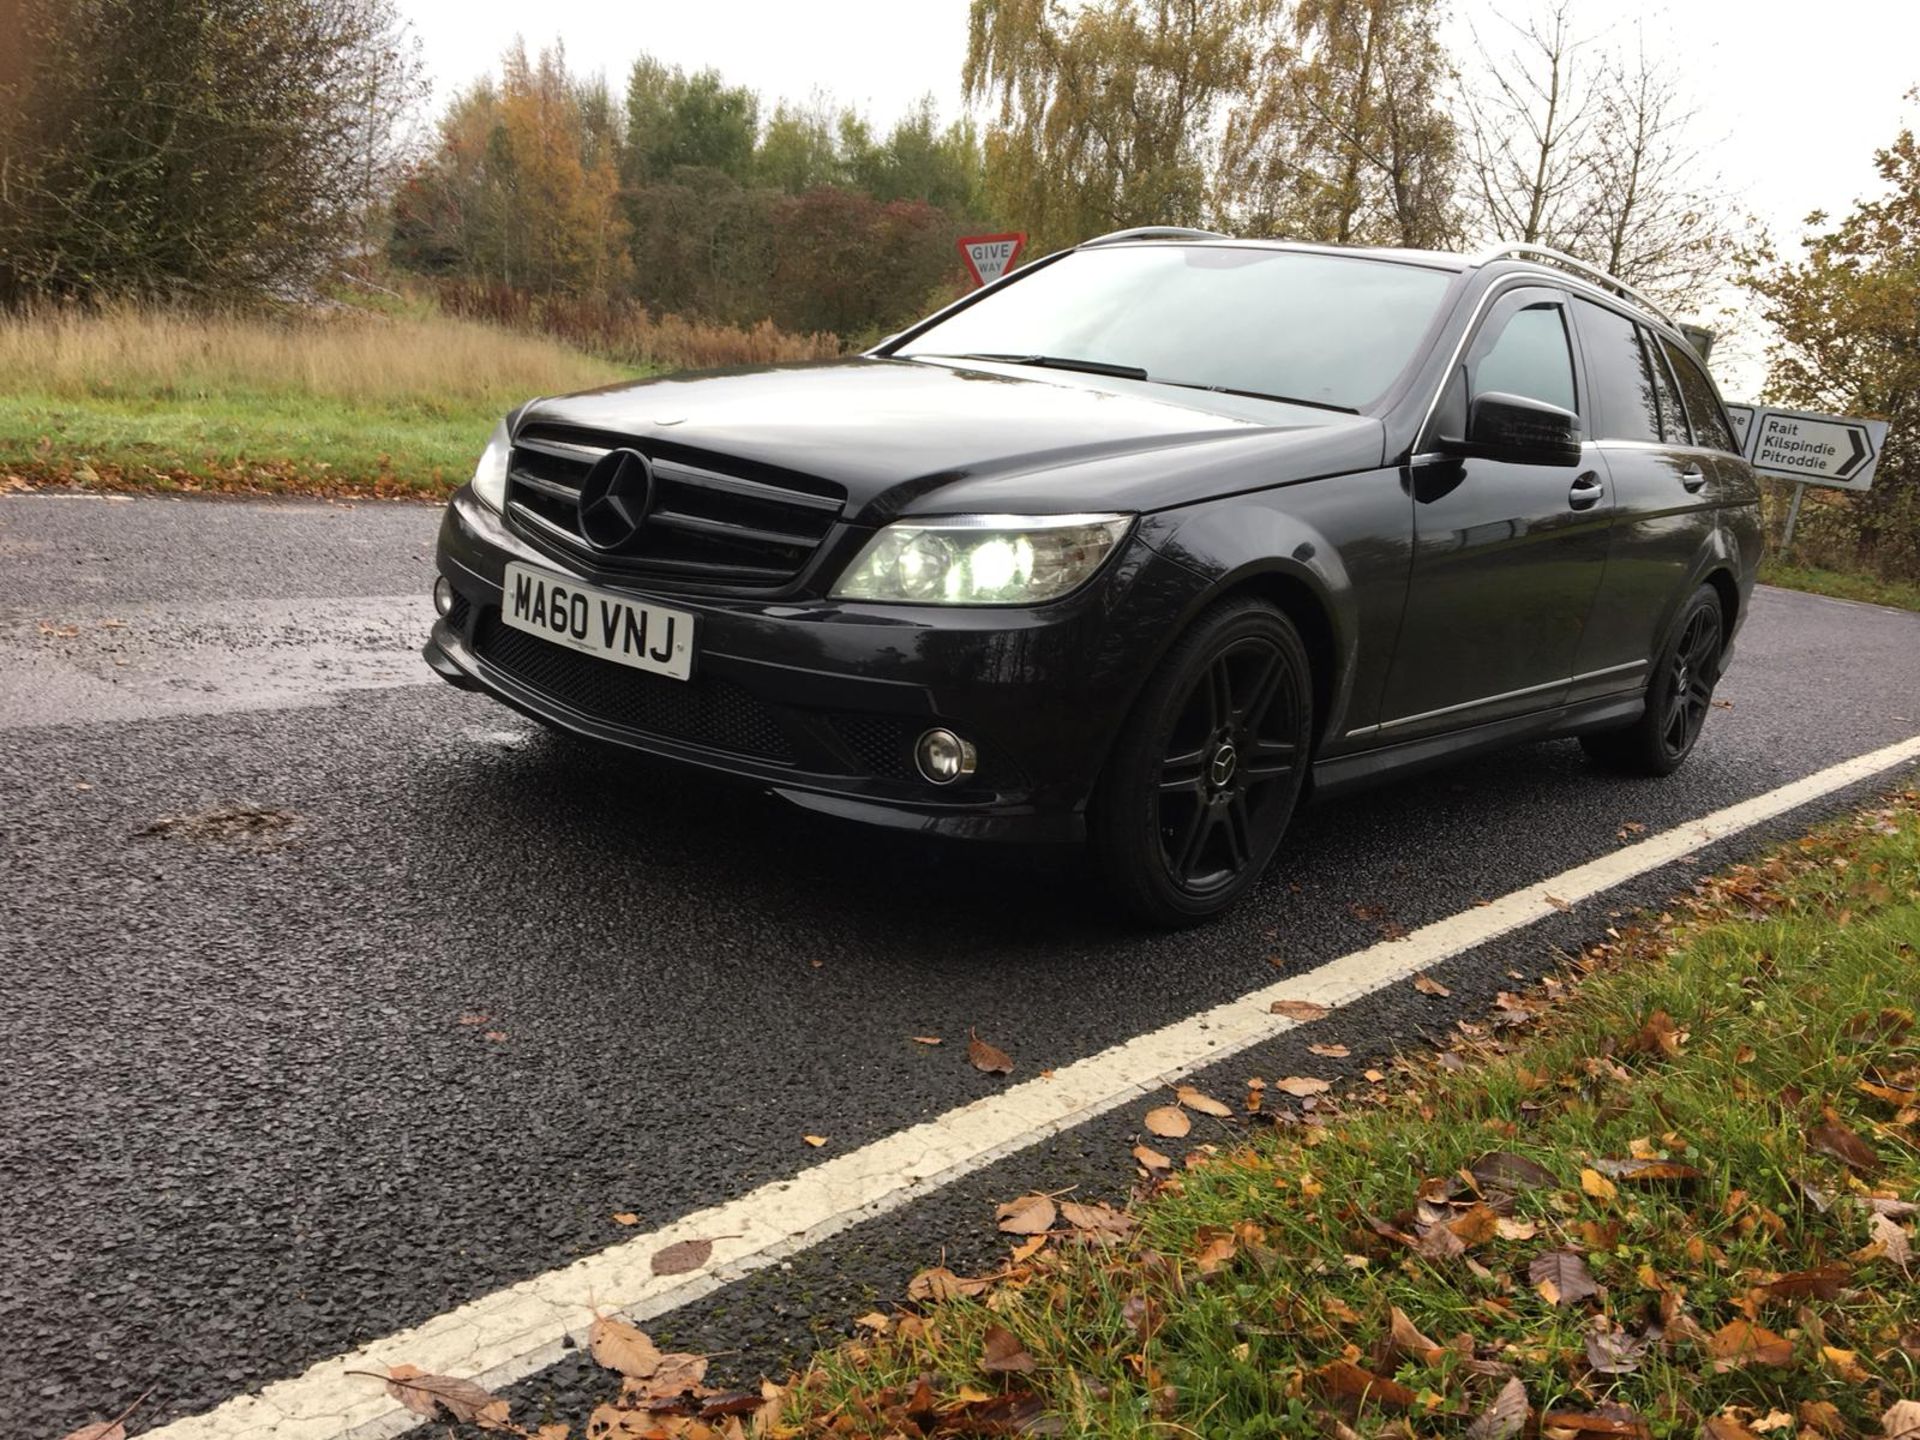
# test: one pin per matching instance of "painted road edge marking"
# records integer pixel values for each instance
(515, 1332)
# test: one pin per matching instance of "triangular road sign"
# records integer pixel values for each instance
(991, 256)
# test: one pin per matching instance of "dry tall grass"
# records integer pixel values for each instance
(626, 331)
(361, 359)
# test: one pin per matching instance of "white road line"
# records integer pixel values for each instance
(514, 1332)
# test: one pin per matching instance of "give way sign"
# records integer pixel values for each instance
(991, 256)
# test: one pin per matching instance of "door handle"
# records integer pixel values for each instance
(1586, 492)
(1693, 478)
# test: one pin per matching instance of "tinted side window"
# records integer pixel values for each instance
(1529, 358)
(1703, 407)
(1673, 420)
(1623, 398)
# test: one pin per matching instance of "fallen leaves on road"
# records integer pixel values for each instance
(437, 1396)
(625, 1217)
(1330, 1052)
(816, 1141)
(230, 823)
(1200, 1104)
(1301, 1086)
(928, 1040)
(987, 1058)
(1304, 1011)
(1169, 1122)
(1029, 1215)
(616, 1345)
(1427, 985)
(683, 1256)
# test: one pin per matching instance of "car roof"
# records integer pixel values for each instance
(1539, 260)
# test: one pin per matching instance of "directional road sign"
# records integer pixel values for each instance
(991, 256)
(1813, 449)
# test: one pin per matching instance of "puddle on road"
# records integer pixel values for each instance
(151, 660)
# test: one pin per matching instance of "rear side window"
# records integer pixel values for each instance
(1673, 420)
(1617, 371)
(1703, 406)
(1529, 358)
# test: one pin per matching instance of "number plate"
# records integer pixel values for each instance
(598, 622)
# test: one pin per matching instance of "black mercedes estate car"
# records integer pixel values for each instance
(1132, 547)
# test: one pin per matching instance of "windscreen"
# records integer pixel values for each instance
(1326, 329)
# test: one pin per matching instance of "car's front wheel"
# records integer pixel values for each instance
(1209, 767)
(1679, 695)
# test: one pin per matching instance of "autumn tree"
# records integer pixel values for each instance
(523, 189)
(1847, 317)
(1111, 115)
(1349, 138)
(193, 148)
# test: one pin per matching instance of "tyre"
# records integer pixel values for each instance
(1679, 696)
(1208, 768)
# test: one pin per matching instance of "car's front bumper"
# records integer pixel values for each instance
(821, 701)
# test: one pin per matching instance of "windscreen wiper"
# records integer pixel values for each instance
(1062, 362)
(1259, 395)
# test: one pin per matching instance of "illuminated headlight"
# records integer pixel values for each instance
(983, 559)
(490, 475)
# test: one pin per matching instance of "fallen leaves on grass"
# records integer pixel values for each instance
(1739, 1343)
(1001, 1353)
(1902, 1421)
(989, 1059)
(1894, 1242)
(1506, 1417)
(940, 1283)
(1832, 1137)
(1561, 1278)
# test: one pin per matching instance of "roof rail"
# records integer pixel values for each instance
(1550, 256)
(1155, 232)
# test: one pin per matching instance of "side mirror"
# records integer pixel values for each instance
(1519, 431)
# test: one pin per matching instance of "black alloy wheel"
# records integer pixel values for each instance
(1679, 696)
(1208, 771)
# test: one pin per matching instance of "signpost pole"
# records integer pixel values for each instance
(1793, 518)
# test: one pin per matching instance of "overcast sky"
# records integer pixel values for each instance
(1793, 99)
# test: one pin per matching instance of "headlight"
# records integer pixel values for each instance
(983, 559)
(490, 475)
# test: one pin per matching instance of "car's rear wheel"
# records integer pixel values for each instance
(1208, 769)
(1679, 696)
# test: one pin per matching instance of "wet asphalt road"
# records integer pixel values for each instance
(243, 1128)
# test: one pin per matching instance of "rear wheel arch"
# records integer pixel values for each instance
(1728, 589)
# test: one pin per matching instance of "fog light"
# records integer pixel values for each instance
(442, 594)
(943, 757)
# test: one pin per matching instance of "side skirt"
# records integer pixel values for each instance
(1342, 773)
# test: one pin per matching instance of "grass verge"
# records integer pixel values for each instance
(361, 404)
(1842, 584)
(1676, 1203)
